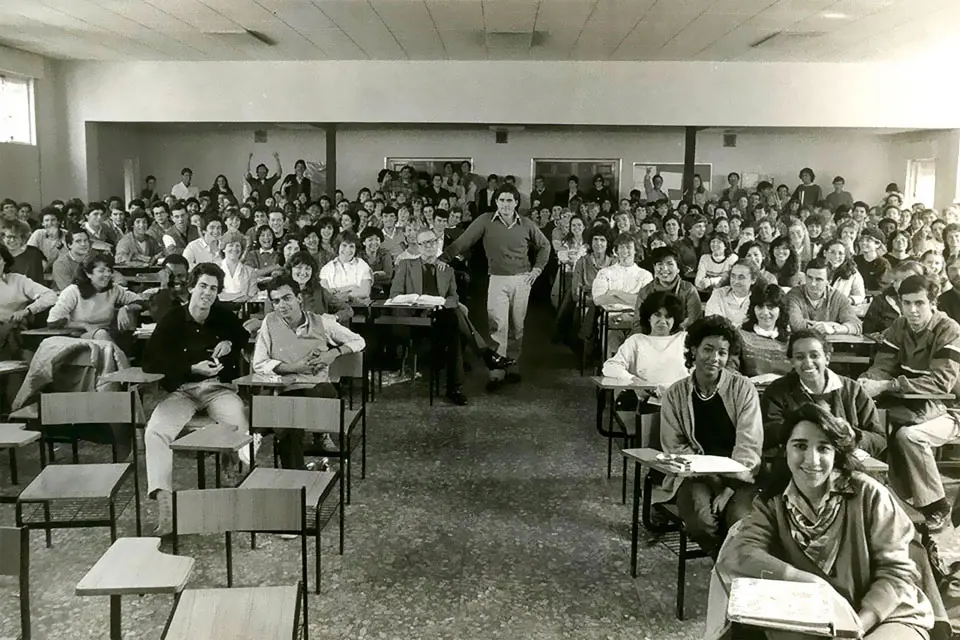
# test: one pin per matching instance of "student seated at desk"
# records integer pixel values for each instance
(21, 299)
(764, 333)
(621, 282)
(655, 356)
(815, 304)
(298, 342)
(819, 519)
(198, 377)
(666, 277)
(422, 276)
(173, 287)
(95, 304)
(138, 248)
(239, 280)
(27, 260)
(811, 380)
(920, 353)
(885, 308)
(714, 411)
(347, 276)
(733, 300)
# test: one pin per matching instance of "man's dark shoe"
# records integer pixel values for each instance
(512, 378)
(456, 397)
(494, 385)
(495, 361)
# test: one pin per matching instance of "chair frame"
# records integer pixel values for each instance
(20, 569)
(133, 468)
(228, 541)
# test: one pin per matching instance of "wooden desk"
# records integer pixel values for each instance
(134, 566)
(46, 332)
(922, 396)
(846, 338)
(648, 458)
(609, 386)
(604, 325)
(240, 613)
(131, 376)
(264, 381)
(213, 439)
(12, 437)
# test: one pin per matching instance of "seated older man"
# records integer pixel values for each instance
(422, 276)
(302, 344)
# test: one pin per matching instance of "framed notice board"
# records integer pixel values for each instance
(672, 174)
(556, 172)
(430, 165)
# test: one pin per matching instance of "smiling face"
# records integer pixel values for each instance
(835, 254)
(101, 277)
(741, 279)
(371, 244)
(781, 253)
(671, 228)
(810, 457)
(710, 356)
(666, 270)
(301, 274)
(347, 251)
(290, 247)
(755, 255)
(717, 248)
(140, 226)
(233, 251)
(599, 244)
(626, 253)
(933, 262)
(767, 316)
(810, 362)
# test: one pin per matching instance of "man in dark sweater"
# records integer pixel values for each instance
(507, 240)
(197, 348)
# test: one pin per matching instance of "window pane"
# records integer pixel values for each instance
(16, 105)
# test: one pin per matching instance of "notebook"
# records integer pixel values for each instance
(804, 607)
(414, 300)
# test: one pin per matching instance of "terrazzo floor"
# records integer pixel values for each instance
(494, 520)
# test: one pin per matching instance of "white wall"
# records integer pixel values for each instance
(941, 146)
(861, 157)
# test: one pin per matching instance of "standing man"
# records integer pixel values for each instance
(487, 197)
(263, 184)
(507, 241)
(183, 189)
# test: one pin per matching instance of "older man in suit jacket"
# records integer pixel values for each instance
(422, 276)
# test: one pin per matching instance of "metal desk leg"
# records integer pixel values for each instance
(201, 470)
(635, 520)
(115, 632)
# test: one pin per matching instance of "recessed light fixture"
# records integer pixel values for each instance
(834, 15)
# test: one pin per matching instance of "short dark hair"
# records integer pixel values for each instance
(625, 239)
(282, 280)
(708, 327)
(83, 276)
(917, 284)
(808, 171)
(348, 237)
(175, 259)
(150, 177)
(139, 214)
(808, 333)
(507, 188)
(328, 221)
(663, 253)
(818, 262)
(441, 213)
(595, 230)
(574, 179)
(768, 295)
(206, 269)
(186, 170)
(369, 232)
(73, 233)
(657, 300)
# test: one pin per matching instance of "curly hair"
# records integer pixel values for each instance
(838, 432)
(594, 231)
(708, 327)
(768, 295)
(656, 301)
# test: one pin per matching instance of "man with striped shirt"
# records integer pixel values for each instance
(919, 354)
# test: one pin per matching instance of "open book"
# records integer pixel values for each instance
(804, 607)
(414, 300)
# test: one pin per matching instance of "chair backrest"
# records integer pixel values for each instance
(291, 412)
(87, 407)
(207, 511)
(349, 365)
(15, 561)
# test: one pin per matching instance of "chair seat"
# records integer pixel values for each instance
(29, 412)
(241, 613)
(13, 436)
(317, 483)
(219, 438)
(75, 481)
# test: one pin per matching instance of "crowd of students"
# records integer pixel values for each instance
(710, 290)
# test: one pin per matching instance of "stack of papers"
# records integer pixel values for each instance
(414, 300)
(145, 330)
(804, 607)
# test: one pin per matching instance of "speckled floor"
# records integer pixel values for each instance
(490, 521)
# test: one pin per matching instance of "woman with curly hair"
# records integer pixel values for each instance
(842, 271)
(764, 333)
(820, 519)
(713, 411)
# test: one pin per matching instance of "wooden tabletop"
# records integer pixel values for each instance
(316, 482)
(261, 380)
(12, 436)
(649, 458)
(220, 438)
(13, 366)
(240, 613)
(922, 396)
(846, 338)
(133, 566)
(131, 375)
(50, 331)
(59, 481)
(604, 382)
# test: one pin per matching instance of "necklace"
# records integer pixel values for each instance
(696, 389)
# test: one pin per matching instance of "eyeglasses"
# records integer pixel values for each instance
(427, 243)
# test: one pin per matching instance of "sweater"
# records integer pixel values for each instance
(507, 248)
(875, 273)
(883, 310)
(93, 313)
(759, 355)
(586, 269)
(711, 273)
(657, 360)
(843, 397)
(677, 424)
(129, 250)
(949, 303)
(28, 263)
(873, 569)
(834, 307)
(692, 307)
(853, 287)
(617, 279)
(926, 361)
(18, 292)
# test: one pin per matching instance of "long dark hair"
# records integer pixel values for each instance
(87, 290)
(790, 268)
(846, 269)
(768, 295)
(657, 300)
(304, 257)
(838, 432)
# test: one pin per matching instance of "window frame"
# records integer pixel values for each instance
(31, 108)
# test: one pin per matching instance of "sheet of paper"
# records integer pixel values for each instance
(431, 301)
(713, 464)
(404, 299)
(765, 378)
(780, 603)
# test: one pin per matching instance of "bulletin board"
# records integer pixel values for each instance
(672, 174)
(557, 171)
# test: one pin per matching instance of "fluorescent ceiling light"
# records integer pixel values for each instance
(834, 15)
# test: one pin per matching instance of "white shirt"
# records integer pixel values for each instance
(620, 279)
(181, 191)
(337, 275)
(198, 251)
(242, 282)
(723, 302)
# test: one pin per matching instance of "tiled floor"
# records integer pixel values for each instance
(490, 521)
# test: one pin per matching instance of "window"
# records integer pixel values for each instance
(921, 182)
(16, 110)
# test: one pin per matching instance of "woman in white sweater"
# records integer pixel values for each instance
(654, 356)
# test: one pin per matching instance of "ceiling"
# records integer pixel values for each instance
(609, 30)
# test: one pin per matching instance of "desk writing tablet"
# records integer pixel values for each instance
(135, 566)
